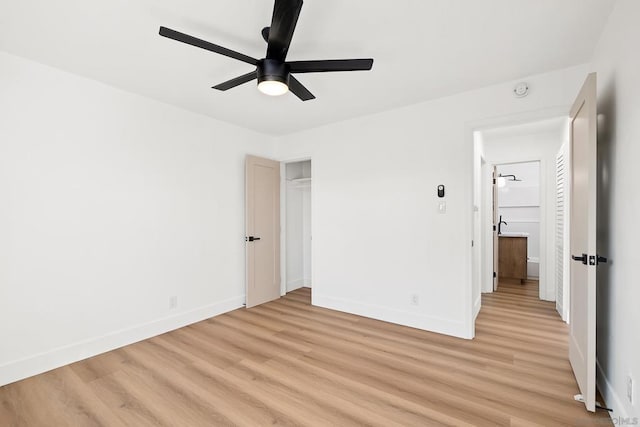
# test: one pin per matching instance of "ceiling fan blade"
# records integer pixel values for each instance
(299, 90)
(283, 24)
(193, 41)
(230, 84)
(329, 65)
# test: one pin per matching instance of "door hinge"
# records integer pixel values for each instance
(494, 275)
(494, 181)
(494, 228)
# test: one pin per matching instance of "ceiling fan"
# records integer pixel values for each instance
(274, 73)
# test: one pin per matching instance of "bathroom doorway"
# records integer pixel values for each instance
(518, 228)
(525, 156)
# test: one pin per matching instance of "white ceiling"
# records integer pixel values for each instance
(423, 49)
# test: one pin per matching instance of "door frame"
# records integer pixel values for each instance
(470, 128)
(542, 224)
(491, 225)
(283, 220)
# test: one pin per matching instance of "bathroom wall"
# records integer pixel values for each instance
(519, 206)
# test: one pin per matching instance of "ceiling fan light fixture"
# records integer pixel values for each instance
(273, 77)
(273, 87)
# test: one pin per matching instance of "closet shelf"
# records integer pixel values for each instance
(300, 183)
(300, 180)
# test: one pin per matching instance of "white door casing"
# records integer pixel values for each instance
(496, 226)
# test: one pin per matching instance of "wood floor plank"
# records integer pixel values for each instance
(290, 363)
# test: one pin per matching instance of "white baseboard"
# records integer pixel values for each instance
(61, 356)
(476, 307)
(400, 317)
(611, 398)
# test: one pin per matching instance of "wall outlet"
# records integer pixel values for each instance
(415, 299)
(173, 302)
(630, 389)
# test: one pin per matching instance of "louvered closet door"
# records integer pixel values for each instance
(560, 221)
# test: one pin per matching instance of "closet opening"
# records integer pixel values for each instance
(296, 224)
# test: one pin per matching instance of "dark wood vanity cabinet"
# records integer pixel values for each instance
(512, 257)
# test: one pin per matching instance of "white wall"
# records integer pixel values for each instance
(617, 63)
(378, 238)
(519, 206)
(478, 241)
(486, 280)
(306, 224)
(110, 204)
(523, 144)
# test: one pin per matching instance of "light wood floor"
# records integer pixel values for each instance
(289, 363)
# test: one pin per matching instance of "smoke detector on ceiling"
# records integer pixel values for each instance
(521, 90)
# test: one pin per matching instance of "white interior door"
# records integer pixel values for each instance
(582, 335)
(263, 230)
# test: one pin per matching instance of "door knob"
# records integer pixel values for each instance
(582, 258)
(251, 239)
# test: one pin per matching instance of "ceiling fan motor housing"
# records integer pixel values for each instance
(273, 70)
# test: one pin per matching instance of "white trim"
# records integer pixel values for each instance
(61, 356)
(400, 317)
(283, 228)
(487, 229)
(476, 306)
